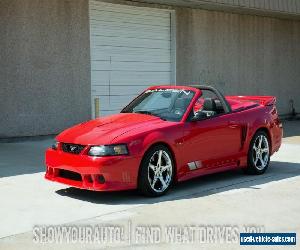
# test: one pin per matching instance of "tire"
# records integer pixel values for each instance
(258, 154)
(156, 179)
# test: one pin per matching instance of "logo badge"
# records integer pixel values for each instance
(73, 148)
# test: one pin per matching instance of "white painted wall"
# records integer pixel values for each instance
(131, 49)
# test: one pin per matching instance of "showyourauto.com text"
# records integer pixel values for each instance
(129, 234)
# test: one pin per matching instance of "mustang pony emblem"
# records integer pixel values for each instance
(73, 148)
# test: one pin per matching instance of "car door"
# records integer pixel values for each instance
(211, 143)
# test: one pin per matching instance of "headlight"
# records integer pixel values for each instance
(108, 150)
(55, 145)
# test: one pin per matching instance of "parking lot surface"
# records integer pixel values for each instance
(270, 201)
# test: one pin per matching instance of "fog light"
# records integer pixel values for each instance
(101, 179)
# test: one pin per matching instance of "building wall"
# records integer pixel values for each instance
(240, 54)
(45, 83)
(279, 8)
(288, 6)
(44, 66)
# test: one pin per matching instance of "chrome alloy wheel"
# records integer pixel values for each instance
(160, 171)
(261, 152)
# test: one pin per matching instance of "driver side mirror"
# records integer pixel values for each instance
(199, 116)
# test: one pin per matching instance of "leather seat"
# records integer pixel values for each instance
(209, 107)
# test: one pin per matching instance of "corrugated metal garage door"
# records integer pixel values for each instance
(130, 50)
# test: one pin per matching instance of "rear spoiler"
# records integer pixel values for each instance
(262, 100)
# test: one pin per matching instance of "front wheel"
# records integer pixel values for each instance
(156, 172)
(259, 153)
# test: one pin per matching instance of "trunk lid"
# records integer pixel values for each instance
(244, 102)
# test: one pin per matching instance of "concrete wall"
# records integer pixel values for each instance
(240, 54)
(44, 66)
(45, 60)
(289, 6)
(278, 8)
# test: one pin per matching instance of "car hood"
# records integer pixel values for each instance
(104, 130)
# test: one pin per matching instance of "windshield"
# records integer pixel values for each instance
(167, 104)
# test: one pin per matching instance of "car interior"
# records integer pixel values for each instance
(171, 105)
(208, 105)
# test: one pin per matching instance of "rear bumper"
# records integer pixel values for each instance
(93, 173)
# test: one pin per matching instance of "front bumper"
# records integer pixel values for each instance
(94, 173)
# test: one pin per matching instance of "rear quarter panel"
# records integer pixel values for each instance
(261, 117)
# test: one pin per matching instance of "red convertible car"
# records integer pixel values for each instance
(167, 134)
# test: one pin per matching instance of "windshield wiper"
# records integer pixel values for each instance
(145, 112)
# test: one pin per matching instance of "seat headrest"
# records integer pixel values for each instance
(209, 104)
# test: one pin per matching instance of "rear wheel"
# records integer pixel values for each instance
(259, 153)
(157, 172)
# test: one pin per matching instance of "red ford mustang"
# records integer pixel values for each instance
(167, 134)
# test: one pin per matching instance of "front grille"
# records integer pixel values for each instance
(72, 148)
(69, 175)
